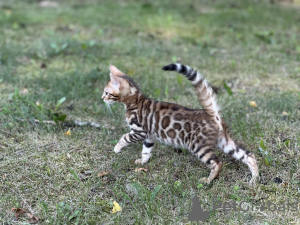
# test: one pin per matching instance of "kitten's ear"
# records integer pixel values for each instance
(114, 70)
(115, 80)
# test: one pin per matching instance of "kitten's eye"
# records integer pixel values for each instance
(106, 93)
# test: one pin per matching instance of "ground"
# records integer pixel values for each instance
(54, 61)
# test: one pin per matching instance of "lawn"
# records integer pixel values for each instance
(54, 64)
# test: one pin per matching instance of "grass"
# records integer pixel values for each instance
(47, 54)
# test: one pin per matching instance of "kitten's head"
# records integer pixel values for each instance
(119, 87)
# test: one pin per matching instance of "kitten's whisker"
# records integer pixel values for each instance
(108, 106)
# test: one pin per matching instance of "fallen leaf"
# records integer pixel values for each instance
(24, 91)
(8, 12)
(116, 207)
(103, 173)
(18, 212)
(32, 218)
(68, 132)
(141, 169)
(68, 156)
(253, 104)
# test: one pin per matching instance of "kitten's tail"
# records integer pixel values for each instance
(204, 90)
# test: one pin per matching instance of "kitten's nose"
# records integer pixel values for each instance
(102, 96)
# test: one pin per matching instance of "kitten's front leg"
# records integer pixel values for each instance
(146, 153)
(121, 144)
(131, 137)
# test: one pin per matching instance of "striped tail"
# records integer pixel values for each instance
(204, 90)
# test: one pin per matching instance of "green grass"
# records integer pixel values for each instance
(252, 47)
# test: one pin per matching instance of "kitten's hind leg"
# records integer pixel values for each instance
(146, 152)
(241, 154)
(206, 155)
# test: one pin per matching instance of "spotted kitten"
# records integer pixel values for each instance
(199, 131)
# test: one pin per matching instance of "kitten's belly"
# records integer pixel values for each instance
(168, 141)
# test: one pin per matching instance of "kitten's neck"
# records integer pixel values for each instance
(132, 102)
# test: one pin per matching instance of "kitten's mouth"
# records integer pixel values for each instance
(109, 102)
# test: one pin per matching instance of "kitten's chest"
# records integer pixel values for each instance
(132, 119)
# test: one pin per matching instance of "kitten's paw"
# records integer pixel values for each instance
(205, 180)
(140, 161)
(117, 150)
(253, 181)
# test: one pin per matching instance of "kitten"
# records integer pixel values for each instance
(199, 131)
